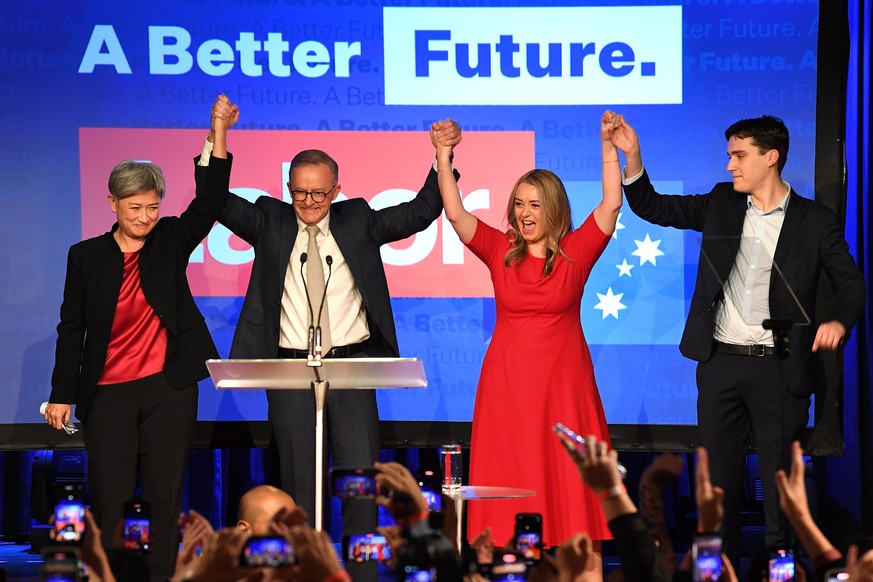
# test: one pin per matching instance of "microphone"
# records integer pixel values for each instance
(329, 260)
(67, 426)
(310, 340)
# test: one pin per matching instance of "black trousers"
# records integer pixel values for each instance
(150, 424)
(352, 435)
(736, 396)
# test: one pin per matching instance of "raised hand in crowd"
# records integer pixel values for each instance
(194, 521)
(575, 560)
(860, 568)
(598, 467)
(792, 490)
(316, 557)
(397, 479)
(395, 540)
(286, 519)
(710, 507)
(197, 534)
(794, 504)
(483, 547)
(93, 553)
(710, 512)
(219, 560)
(665, 468)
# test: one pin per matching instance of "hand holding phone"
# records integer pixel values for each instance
(267, 552)
(578, 443)
(570, 437)
(354, 483)
(366, 547)
(529, 536)
(69, 527)
(137, 526)
(781, 566)
(706, 557)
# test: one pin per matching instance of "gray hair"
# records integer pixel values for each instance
(314, 158)
(130, 177)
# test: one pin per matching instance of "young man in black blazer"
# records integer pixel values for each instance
(763, 250)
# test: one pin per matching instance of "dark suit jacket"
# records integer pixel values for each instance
(270, 226)
(94, 273)
(811, 240)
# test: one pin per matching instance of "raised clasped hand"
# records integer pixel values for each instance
(224, 114)
(445, 134)
(609, 123)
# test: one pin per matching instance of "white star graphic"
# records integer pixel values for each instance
(624, 268)
(610, 303)
(647, 250)
(618, 226)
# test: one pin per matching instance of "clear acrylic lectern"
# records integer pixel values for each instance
(327, 374)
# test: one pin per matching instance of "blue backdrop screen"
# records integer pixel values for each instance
(680, 72)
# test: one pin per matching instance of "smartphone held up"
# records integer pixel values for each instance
(706, 557)
(354, 483)
(529, 536)
(570, 438)
(267, 552)
(365, 547)
(69, 514)
(137, 526)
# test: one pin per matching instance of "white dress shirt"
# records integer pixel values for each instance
(746, 301)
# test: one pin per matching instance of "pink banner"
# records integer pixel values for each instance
(384, 168)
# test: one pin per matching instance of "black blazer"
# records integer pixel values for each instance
(94, 272)
(811, 240)
(270, 226)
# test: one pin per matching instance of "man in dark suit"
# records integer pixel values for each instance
(275, 316)
(763, 250)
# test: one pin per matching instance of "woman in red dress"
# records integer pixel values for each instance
(537, 370)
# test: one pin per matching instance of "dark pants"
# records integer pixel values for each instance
(738, 395)
(352, 438)
(150, 423)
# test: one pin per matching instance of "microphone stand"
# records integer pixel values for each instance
(318, 332)
(319, 387)
(313, 347)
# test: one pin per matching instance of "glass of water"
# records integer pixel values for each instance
(451, 465)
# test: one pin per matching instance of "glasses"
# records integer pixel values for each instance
(317, 195)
